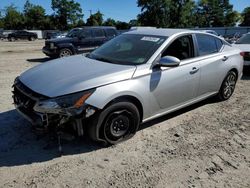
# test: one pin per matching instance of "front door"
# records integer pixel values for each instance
(175, 86)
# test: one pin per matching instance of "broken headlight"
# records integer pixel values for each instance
(72, 104)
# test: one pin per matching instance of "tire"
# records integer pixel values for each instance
(227, 86)
(118, 122)
(65, 52)
(12, 39)
(31, 38)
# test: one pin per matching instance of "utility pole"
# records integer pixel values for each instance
(90, 12)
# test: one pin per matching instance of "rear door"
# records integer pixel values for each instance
(110, 33)
(212, 63)
(99, 37)
(84, 41)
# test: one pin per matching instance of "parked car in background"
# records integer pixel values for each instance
(51, 35)
(244, 45)
(133, 78)
(54, 35)
(79, 40)
(22, 35)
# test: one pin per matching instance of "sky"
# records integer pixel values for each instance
(122, 10)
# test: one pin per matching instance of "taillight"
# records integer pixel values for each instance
(242, 54)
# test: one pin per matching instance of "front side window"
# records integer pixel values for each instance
(73, 33)
(182, 48)
(128, 49)
(206, 44)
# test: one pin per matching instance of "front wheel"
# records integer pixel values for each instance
(119, 122)
(65, 52)
(12, 39)
(228, 86)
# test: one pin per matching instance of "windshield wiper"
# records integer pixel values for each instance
(103, 59)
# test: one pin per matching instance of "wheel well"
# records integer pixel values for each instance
(235, 71)
(67, 47)
(131, 99)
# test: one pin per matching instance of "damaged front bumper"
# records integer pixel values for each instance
(44, 112)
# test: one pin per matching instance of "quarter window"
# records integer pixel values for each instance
(208, 44)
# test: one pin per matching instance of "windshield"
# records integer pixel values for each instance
(244, 39)
(73, 33)
(128, 49)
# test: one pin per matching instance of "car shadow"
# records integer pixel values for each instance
(40, 60)
(19, 145)
(178, 112)
(246, 73)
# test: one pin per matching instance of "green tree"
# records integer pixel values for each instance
(166, 13)
(122, 25)
(13, 19)
(110, 22)
(1, 20)
(246, 17)
(35, 17)
(134, 22)
(215, 13)
(181, 13)
(95, 19)
(153, 12)
(67, 12)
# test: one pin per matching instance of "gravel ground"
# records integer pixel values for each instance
(205, 145)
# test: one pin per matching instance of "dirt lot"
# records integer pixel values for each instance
(205, 145)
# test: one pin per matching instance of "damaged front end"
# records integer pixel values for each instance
(53, 113)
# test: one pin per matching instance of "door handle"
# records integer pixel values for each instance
(194, 70)
(224, 58)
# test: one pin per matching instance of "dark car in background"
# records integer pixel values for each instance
(79, 40)
(22, 35)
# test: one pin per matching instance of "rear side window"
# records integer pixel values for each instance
(207, 44)
(110, 32)
(219, 44)
(98, 33)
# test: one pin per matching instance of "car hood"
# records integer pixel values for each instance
(243, 47)
(61, 40)
(73, 74)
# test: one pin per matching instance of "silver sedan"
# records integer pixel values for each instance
(138, 76)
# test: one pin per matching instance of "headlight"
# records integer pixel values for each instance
(52, 45)
(68, 104)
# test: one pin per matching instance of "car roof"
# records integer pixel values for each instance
(96, 27)
(158, 32)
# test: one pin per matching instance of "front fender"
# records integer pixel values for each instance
(133, 87)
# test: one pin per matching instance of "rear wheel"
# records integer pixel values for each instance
(12, 39)
(65, 52)
(119, 122)
(228, 86)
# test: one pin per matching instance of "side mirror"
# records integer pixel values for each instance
(169, 61)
